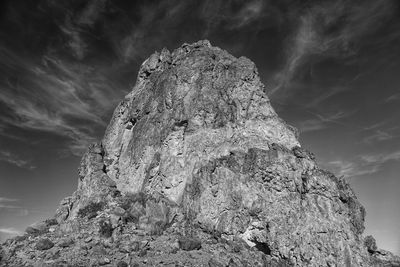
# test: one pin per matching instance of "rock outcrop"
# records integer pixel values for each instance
(196, 168)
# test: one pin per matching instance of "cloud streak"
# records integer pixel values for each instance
(68, 100)
(320, 121)
(352, 169)
(329, 29)
(363, 164)
(66, 88)
(11, 205)
(378, 136)
(381, 158)
(392, 98)
(15, 160)
(69, 87)
(10, 231)
(6, 199)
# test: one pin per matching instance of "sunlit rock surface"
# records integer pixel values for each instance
(196, 168)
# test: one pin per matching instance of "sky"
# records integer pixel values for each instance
(331, 69)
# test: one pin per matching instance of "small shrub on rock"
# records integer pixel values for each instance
(105, 228)
(370, 243)
(133, 215)
(116, 194)
(122, 264)
(91, 209)
(130, 218)
(51, 222)
(37, 229)
(20, 238)
(157, 228)
(129, 199)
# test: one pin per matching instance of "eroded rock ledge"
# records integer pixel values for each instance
(196, 157)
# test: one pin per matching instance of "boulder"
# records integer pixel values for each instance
(188, 243)
(66, 242)
(44, 244)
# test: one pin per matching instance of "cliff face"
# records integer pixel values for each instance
(188, 108)
(196, 152)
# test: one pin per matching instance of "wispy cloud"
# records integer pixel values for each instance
(351, 169)
(65, 99)
(363, 164)
(320, 121)
(380, 131)
(374, 126)
(329, 29)
(218, 14)
(8, 203)
(169, 21)
(14, 159)
(250, 12)
(91, 12)
(10, 231)
(326, 95)
(9, 206)
(381, 158)
(12, 205)
(75, 27)
(7, 199)
(393, 98)
(64, 89)
(378, 136)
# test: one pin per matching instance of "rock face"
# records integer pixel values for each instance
(196, 154)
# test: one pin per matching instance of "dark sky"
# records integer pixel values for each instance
(331, 69)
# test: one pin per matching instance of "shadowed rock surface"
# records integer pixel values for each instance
(197, 169)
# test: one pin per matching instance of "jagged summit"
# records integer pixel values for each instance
(196, 168)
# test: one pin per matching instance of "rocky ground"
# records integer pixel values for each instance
(197, 169)
(112, 236)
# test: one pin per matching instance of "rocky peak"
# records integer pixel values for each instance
(198, 168)
(198, 101)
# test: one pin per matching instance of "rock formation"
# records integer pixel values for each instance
(196, 168)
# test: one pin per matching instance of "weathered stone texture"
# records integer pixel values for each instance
(188, 107)
(196, 154)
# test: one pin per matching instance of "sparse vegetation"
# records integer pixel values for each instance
(370, 243)
(105, 228)
(91, 209)
(157, 228)
(134, 204)
(40, 228)
(36, 232)
(21, 238)
(148, 212)
(129, 217)
(129, 199)
(116, 193)
(51, 222)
